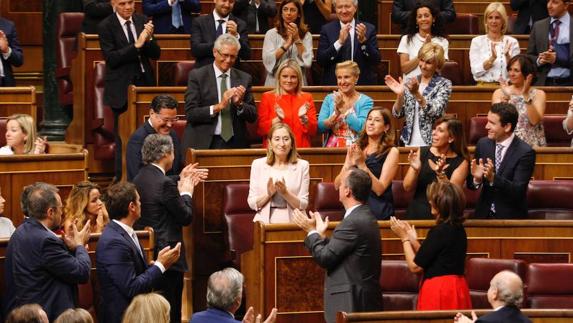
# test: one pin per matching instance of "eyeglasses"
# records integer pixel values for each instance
(227, 56)
(167, 120)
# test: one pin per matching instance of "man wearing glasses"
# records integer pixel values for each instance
(162, 118)
(218, 101)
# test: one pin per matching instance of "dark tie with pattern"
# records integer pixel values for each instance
(226, 121)
(220, 27)
(554, 32)
(498, 159)
(129, 32)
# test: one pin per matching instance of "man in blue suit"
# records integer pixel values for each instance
(224, 296)
(10, 52)
(41, 267)
(171, 16)
(122, 269)
(348, 39)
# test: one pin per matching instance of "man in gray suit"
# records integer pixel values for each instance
(218, 101)
(551, 47)
(352, 256)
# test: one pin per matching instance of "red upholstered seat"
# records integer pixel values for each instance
(401, 199)
(452, 71)
(554, 133)
(326, 201)
(477, 129)
(399, 286)
(182, 69)
(551, 200)
(550, 286)
(471, 201)
(480, 271)
(102, 120)
(3, 124)
(179, 127)
(68, 25)
(239, 219)
(465, 23)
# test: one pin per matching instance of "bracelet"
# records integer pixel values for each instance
(283, 48)
(405, 241)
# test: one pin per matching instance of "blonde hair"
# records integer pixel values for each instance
(147, 308)
(493, 7)
(432, 52)
(292, 155)
(28, 127)
(352, 66)
(74, 315)
(77, 202)
(289, 63)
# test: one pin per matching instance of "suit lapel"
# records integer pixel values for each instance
(211, 27)
(118, 25)
(130, 241)
(508, 155)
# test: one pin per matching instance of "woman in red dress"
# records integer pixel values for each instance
(288, 104)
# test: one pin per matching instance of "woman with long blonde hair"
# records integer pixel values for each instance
(84, 203)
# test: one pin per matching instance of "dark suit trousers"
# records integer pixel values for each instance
(171, 287)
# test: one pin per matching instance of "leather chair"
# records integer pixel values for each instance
(465, 24)
(326, 202)
(181, 73)
(239, 219)
(480, 271)
(511, 22)
(102, 119)
(550, 286)
(471, 201)
(399, 286)
(68, 26)
(477, 129)
(452, 71)
(551, 200)
(401, 199)
(86, 298)
(554, 133)
(3, 125)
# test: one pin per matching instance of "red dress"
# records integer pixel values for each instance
(290, 104)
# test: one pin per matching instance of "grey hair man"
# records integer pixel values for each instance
(505, 295)
(224, 296)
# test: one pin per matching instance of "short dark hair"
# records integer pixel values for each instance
(118, 197)
(41, 197)
(507, 113)
(163, 101)
(28, 313)
(359, 183)
(449, 199)
(526, 65)
(25, 199)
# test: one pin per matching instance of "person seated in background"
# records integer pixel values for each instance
(29, 313)
(147, 308)
(290, 39)
(423, 99)
(442, 255)
(83, 204)
(490, 53)
(343, 112)
(75, 315)
(568, 121)
(317, 13)
(424, 26)
(447, 159)
(94, 12)
(402, 10)
(256, 14)
(6, 226)
(10, 52)
(505, 295)
(529, 101)
(171, 16)
(21, 138)
(224, 297)
(280, 181)
(374, 152)
(287, 103)
(528, 12)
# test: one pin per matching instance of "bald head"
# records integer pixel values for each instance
(506, 289)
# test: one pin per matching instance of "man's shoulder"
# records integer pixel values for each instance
(6, 22)
(204, 19)
(212, 316)
(542, 22)
(140, 133)
(240, 74)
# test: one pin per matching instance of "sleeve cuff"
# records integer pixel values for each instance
(7, 55)
(186, 194)
(311, 232)
(211, 108)
(337, 45)
(160, 266)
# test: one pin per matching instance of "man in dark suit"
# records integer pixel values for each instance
(10, 52)
(352, 256)
(206, 29)
(122, 268)
(348, 39)
(502, 167)
(256, 14)
(216, 107)
(166, 207)
(401, 10)
(94, 12)
(162, 116)
(224, 296)
(42, 267)
(505, 295)
(528, 12)
(127, 44)
(551, 47)
(171, 16)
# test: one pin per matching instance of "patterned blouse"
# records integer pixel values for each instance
(534, 135)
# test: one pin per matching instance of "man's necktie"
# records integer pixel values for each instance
(136, 242)
(226, 121)
(176, 19)
(498, 151)
(220, 27)
(554, 32)
(256, 10)
(129, 32)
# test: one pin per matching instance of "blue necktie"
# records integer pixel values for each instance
(220, 27)
(176, 19)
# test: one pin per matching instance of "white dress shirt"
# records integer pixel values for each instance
(480, 51)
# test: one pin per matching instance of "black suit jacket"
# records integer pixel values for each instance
(94, 12)
(204, 34)
(163, 209)
(506, 314)
(40, 269)
(367, 56)
(352, 259)
(160, 10)
(122, 271)
(539, 42)
(247, 12)
(16, 58)
(527, 9)
(509, 189)
(401, 11)
(122, 59)
(201, 94)
(133, 153)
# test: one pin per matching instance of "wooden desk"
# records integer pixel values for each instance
(18, 100)
(279, 271)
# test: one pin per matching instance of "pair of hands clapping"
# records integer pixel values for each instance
(400, 86)
(403, 229)
(439, 167)
(481, 169)
(278, 186)
(190, 176)
(345, 32)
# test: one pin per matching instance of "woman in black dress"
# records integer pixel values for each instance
(374, 152)
(447, 158)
